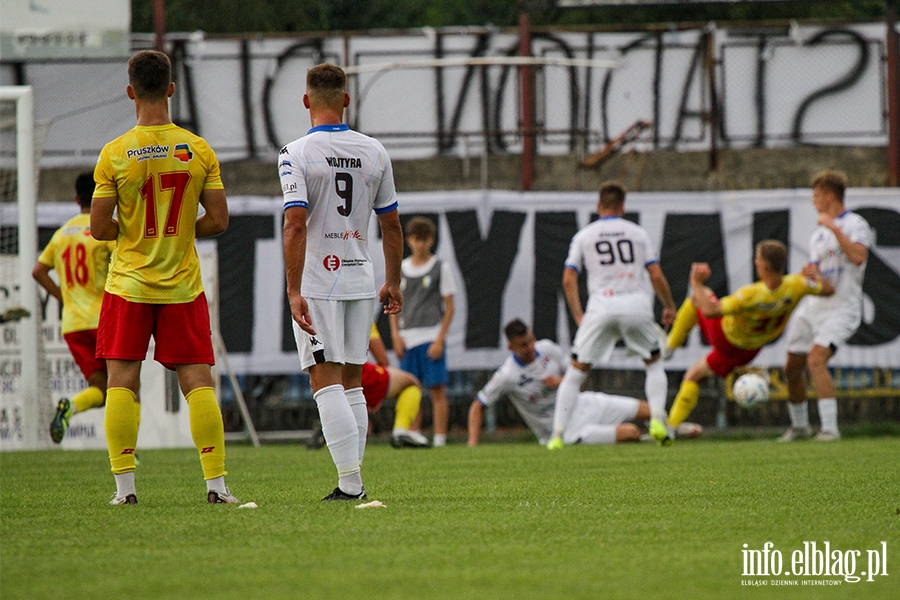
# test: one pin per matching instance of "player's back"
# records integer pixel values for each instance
(158, 174)
(81, 264)
(340, 176)
(615, 253)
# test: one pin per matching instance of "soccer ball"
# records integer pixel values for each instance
(751, 389)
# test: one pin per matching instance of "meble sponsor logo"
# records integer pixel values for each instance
(146, 152)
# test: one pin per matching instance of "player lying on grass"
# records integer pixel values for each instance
(529, 378)
(739, 325)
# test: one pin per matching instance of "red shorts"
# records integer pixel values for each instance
(724, 357)
(83, 346)
(181, 331)
(375, 382)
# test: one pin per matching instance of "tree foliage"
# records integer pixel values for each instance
(281, 16)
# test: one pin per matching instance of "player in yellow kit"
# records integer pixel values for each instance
(155, 177)
(736, 326)
(81, 263)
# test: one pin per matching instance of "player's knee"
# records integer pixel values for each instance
(628, 432)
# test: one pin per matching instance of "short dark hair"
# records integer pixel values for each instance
(832, 181)
(774, 253)
(149, 74)
(515, 328)
(612, 195)
(84, 188)
(421, 228)
(326, 84)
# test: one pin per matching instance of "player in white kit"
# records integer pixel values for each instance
(332, 180)
(623, 273)
(839, 249)
(529, 378)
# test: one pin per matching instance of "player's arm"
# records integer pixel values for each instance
(215, 220)
(41, 274)
(378, 350)
(855, 251)
(663, 292)
(570, 288)
(103, 225)
(476, 418)
(392, 246)
(821, 286)
(294, 260)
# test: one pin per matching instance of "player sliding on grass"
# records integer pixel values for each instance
(154, 179)
(332, 180)
(738, 325)
(529, 378)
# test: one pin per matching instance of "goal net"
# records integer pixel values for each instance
(25, 401)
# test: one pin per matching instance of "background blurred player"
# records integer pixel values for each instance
(838, 250)
(529, 378)
(154, 178)
(332, 180)
(419, 333)
(623, 272)
(81, 263)
(738, 325)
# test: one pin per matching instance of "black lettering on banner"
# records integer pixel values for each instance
(847, 81)
(881, 282)
(345, 192)
(237, 276)
(690, 238)
(485, 266)
(553, 232)
(772, 225)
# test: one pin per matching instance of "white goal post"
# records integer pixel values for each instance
(33, 435)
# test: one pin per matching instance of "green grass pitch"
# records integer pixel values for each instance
(498, 521)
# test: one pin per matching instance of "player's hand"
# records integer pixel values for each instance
(392, 299)
(300, 313)
(552, 381)
(826, 220)
(435, 350)
(667, 318)
(700, 272)
(810, 270)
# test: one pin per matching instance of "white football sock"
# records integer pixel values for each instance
(339, 429)
(440, 439)
(358, 405)
(828, 414)
(656, 388)
(799, 412)
(124, 484)
(566, 397)
(216, 484)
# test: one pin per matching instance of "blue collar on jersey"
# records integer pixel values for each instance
(330, 127)
(537, 355)
(610, 217)
(843, 213)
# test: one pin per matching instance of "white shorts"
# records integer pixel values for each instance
(808, 328)
(599, 332)
(342, 332)
(594, 410)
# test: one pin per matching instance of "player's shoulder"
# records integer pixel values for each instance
(546, 346)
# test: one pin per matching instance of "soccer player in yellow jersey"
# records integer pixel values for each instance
(737, 326)
(155, 177)
(81, 263)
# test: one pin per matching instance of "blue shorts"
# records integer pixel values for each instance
(430, 372)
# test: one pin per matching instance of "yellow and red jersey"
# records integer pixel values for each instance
(157, 174)
(81, 263)
(755, 315)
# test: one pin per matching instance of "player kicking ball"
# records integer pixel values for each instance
(739, 325)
